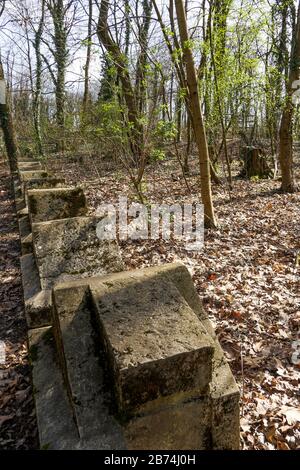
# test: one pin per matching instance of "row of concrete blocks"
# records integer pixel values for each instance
(120, 359)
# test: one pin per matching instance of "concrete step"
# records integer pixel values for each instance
(26, 244)
(70, 249)
(57, 203)
(120, 339)
(38, 302)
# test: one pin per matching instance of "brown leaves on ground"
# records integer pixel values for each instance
(17, 417)
(247, 276)
(248, 279)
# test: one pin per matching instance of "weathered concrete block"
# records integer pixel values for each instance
(20, 204)
(53, 411)
(84, 314)
(59, 425)
(17, 188)
(157, 348)
(225, 399)
(26, 244)
(58, 203)
(38, 303)
(30, 166)
(24, 226)
(34, 174)
(22, 212)
(184, 426)
(70, 249)
(44, 183)
(84, 378)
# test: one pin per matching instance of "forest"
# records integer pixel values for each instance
(173, 103)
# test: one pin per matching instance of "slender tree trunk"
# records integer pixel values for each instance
(196, 116)
(38, 82)
(7, 125)
(86, 94)
(179, 116)
(188, 146)
(288, 184)
(136, 130)
(141, 85)
(58, 11)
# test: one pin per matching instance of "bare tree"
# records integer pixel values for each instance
(6, 119)
(38, 80)
(59, 10)
(187, 76)
(286, 126)
(86, 93)
(135, 128)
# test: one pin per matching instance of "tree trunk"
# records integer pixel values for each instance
(136, 130)
(58, 11)
(288, 184)
(38, 83)
(255, 163)
(86, 94)
(196, 117)
(7, 125)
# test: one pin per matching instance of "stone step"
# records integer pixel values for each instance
(45, 183)
(57, 203)
(114, 321)
(57, 425)
(30, 166)
(69, 249)
(26, 175)
(63, 250)
(26, 244)
(22, 212)
(24, 226)
(152, 336)
(26, 158)
(38, 302)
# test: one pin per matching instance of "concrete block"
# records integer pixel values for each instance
(156, 346)
(70, 249)
(58, 203)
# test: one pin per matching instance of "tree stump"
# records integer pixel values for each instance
(254, 163)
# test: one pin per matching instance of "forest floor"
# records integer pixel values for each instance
(17, 416)
(247, 276)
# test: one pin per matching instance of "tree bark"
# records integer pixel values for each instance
(58, 11)
(7, 125)
(288, 184)
(38, 82)
(86, 94)
(196, 116)
(136, 129)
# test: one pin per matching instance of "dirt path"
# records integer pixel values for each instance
(17, 415)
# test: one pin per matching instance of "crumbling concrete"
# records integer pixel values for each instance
(26, 175)
(30, 166)
(121, 360)
(118, 349)
(58, 203)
